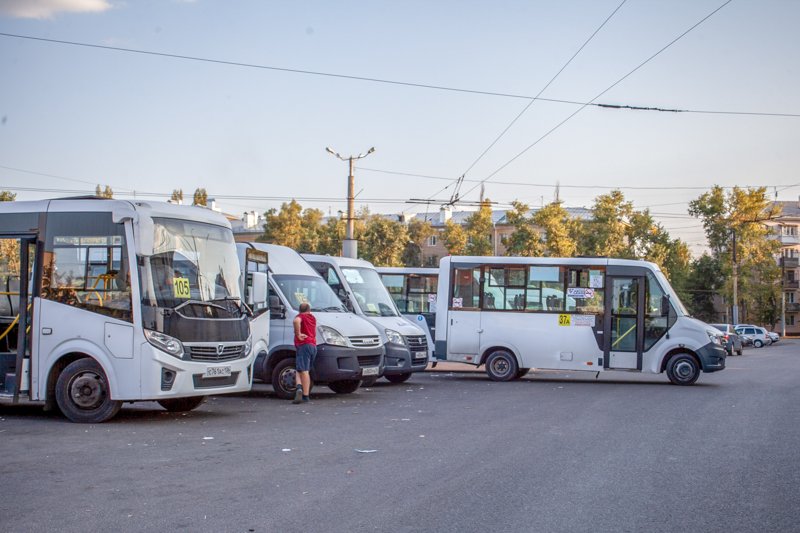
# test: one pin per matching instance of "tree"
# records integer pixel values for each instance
(104, 192)
(9, 248)
(478, 228)
(383, 241)
(419, 231)
(331, 235)
(525, 240)
(606, 233)
(7, 196)
(705, 280)
(561, 231)
(177, 196)
(455, 238)
(293, 227)
(740, 214)
(200, 197)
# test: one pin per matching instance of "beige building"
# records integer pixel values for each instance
(787, 231)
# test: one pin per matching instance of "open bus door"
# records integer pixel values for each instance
(623, 326)
(16, 262)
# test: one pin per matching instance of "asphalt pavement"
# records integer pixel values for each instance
(446, 451)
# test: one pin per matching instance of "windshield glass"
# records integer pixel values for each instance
(371, 295)
(673, 296)
(311, 289)
(191, 261)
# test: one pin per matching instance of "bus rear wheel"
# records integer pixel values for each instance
(284, 378)
(344, 387)
(682, 369)
(182, 405)
(83, 394)
(501, 366)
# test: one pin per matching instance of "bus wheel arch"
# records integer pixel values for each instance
(501, 363)
(81, 389)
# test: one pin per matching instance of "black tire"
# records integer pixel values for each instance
(83, 394)
(369, 382)
(683, 369)
(758, 343)
(345, 387)
(182, 405)
(398, 378)
(501, 366)
(284, 378)
(739, 351)
(522, 371)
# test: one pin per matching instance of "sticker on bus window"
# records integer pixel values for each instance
(564, 320)
(458, 302)
(583, 320)
(431, 298)
(180, 287)
(596, 279)
(300, 297)
(371, 307)
(580, 293)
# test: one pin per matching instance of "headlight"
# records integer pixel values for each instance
(165, 343)
(394, 337)
(331, 336)
(714, 338)
(248, 346)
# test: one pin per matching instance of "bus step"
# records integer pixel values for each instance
(9, 384)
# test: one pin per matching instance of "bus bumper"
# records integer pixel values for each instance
(399, 361)
(339, 363)
(712, 357)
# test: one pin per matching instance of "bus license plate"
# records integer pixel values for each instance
(420, 355)
(370, 371)
(217, 372)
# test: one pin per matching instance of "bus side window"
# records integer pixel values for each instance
(655, 323)
(466, 288)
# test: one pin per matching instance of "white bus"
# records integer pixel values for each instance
(349, 348)
(110, 301)
(517, 313)
(358, 285)
(414, 291)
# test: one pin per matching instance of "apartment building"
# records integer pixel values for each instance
(787, 231)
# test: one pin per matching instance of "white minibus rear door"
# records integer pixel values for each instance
(464, 315)
(624, 322)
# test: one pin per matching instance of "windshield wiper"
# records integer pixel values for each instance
(337, 308)
(199, 302)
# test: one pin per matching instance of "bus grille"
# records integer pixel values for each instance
(417, 343)
(213, 352)
(365, 342)
(369, 360)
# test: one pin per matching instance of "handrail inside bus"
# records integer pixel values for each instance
(619, 339)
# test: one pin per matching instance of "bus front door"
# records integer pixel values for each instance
(624, 323)
(16, 266)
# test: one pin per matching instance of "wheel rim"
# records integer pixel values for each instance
(501, 366)
(684, 370)
(288, 378)
(87, 390)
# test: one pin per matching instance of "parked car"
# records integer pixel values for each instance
(747, 340)
(774, 335)
(759, 335)
(730, 339)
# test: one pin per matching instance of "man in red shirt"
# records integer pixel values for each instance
(305, 342)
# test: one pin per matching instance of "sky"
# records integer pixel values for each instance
(263, 87)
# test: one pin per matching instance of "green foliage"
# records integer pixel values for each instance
(177, 195)
(525, 240)
(294, 227)
(455, 238)
(105, 192)
(479, 230)
(200, 197)
(419, 231)
(383, 241)
(606, 233)
(704, 282)
(7, 196)
(561, 231)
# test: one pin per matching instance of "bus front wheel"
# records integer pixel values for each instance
(83, 394)
(501, 366)
(682, 369)
(182, 405)
(284, 378)
(344, 387)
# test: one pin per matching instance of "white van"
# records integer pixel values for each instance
(349, 348)
(357, 283)
(414, 291)
(517, 313)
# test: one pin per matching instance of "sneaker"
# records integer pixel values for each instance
(306, 399)
(298, 395)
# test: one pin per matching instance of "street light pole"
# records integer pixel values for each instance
(350, 245)
(735, 284)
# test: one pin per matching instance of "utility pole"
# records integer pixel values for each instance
(735, 284)
(350, 245)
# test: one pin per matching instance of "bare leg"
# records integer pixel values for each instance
(305, 381)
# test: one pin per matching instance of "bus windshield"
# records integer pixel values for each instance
(370, 293)
(309, 289)
(673, 296)
(191, 262)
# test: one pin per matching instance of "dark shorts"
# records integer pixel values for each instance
(306, 353)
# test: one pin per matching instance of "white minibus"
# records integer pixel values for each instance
(358, 285)
(111, 301)
(414, 291)
(516, 313)
(349, 348)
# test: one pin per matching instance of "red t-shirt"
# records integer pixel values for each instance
(308, 325)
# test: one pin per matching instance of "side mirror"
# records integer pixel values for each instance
(665, 305)
(258, 289)
(276, 308)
